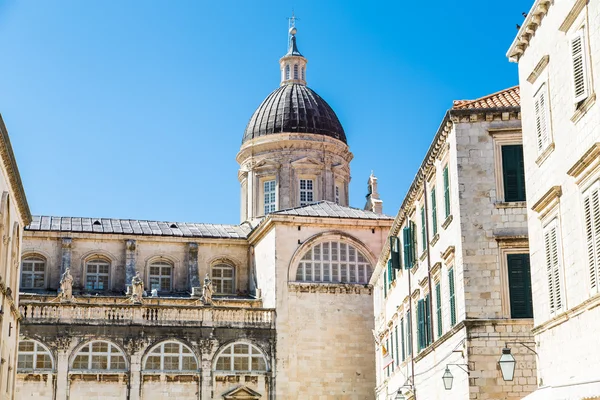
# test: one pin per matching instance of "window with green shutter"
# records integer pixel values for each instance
(438, 301)
(519, 286)
(395, 252)
(385, 284)
(421, 329)
(452, 297)
(402, 341)
(390, 273)
(513, 173)
(423, 230)
(409, 341)
(391, 349)
(397, 350)
(428, 331)
(446, 191)
(408, 237)
(433, 212)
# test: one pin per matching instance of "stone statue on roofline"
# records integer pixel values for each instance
(66, 285)
(137, 288)
(207, 290)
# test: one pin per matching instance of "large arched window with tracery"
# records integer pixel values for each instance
(333, 262)
(99, 355)
(241, 357)
(171, 357)
(34, 356)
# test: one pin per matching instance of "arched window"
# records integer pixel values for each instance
(34, 356)
(287, 71)
(171, 357)
(99, 356)
(160, 276)
(241, 357)
(295, 71)
(333, 262)
(33, 272)
(223, 279)
(96, 274)
(303, 78)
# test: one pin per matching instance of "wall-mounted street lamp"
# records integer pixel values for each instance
(448, 378)
(507, 362)
(399, 395)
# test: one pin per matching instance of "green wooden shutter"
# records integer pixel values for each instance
(413, 246)
(446, 192)
(428, 327)
(409, 339)
(421, 334)
(397, 350)
(433, 212)
(423, 230)
(385, 283)
(519, 284)
(391, 349)
(438, 300)
(408, 246)
(402, 333)
(513, 172)
(395, 252)
(452, 297)
(390, 273)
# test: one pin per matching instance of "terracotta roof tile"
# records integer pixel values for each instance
(505, 98)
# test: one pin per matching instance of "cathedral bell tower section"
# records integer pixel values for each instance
(294, 149)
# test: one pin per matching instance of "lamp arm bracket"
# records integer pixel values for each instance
(461, 366)
(524, 344)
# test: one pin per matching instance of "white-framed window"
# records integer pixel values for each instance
(306, 192)
(337, 195)
(303, 74)
(223, 278)
(542, 117)
(171, 357)
(241, 357)
(96, 274)
(553, 266)
(591, 216)
(269, 190)
(33, 272)
(34, 356)
(579, 61)
(160, 276)
(287, 71)
(99, 356)
(333, 262)
(295, 71)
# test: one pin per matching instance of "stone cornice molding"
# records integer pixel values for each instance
(533, 20)
(539, 68)
(14, 178)
(548, 199)
(588, 163)
(330, 288)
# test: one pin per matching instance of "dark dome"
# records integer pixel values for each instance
(294, 108)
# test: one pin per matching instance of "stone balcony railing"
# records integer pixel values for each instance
(146, 314)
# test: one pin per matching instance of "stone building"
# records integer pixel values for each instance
(278, 306)
(452, 285)
(558, 55)
(14, 215)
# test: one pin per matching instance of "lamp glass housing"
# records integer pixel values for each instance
(507, 365)
(447, 378)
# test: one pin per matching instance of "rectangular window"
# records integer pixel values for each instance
(33, 273)
(402, 341)
(579, 66)
(409, 341)
(423, 323)
(434, 212)
(96, 277)
(387, 347)
(423, 230)
(385, 283)
(391, 348)
(397, 349)
(591, 214)
(306, 192)
(269, 188)
(438, 303)
(409, 245)
(542, 117)
(160, 277)
(551, 243)
(513, 172)
(519, 286)
(452, 297)
(337, 195)
(446, 192)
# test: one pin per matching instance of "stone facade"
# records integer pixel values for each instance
(466, 229)
(14, 215)
(558, 55)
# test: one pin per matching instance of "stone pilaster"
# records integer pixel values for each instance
(62, 370)
(135, 377)
(65, 254)
(193, 278)
(130, 260)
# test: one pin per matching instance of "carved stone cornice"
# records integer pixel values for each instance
(527, 30)
(588, 163)
(548, 199)
(332, 288)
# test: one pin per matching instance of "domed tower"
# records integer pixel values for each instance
(294, 150)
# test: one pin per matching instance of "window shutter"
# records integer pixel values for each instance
(413, 245)
(578, 58)
(395, 252)
(433, 211)
(553, 266)
(390, 273)
(446, 192)
(402, 341)
(428, 330)
(409, 339)
(420, 325)
(423, 230)
(408, 247)
(385, 283)
(513, 173)
(452, 297)
(438, 299)
(541, 118)
(397, 350)
(391, 349)
(591, 212)
(519, 282)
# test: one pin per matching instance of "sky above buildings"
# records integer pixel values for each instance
(136, 109)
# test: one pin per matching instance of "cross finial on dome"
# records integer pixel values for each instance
(293, 63)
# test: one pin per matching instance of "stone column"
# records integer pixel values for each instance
(193, 278)
(62, 370)
(65, 255)
(135, 377)
(130, 261)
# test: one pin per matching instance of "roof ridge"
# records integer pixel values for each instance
(465, 103)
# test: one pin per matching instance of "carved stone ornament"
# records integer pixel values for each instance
(207, 291)
(137, 289)
(62, 343)
(133, 345)
(66, 286)
(130, 244)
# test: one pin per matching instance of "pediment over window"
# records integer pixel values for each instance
(266, 164)
(242, 393)
(305, 162)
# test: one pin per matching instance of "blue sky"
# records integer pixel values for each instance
(136, 109)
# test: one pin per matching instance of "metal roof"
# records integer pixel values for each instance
(137, 227)
(330, 209)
